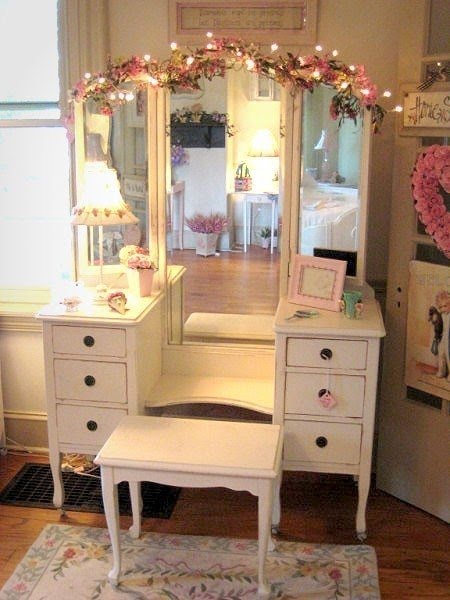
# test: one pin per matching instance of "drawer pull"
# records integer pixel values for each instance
(321, 441)
(92, 425)
(89, 380)
(326, 354)
(88, 341)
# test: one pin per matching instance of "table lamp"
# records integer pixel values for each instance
(264, 146)
(101, 204)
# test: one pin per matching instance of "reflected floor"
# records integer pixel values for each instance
(230, 282)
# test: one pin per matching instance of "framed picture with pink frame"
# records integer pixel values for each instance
(317, 282)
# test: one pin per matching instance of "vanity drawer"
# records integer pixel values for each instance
(324, 442)
(86, 424)
(90, 380)
(89, 341)
(302, 391)
(344, 354)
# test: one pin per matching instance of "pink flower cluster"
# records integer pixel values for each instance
(136, 257)
(140, 261)
(214, 223)
(430, 180)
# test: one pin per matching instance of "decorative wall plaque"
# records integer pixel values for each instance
(292, 21)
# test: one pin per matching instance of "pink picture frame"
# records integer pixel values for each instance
(317, 282)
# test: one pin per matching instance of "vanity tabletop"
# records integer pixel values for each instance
(327, 322)
(136, 309)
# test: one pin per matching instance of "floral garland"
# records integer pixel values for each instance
(430, 181)
(184, 70)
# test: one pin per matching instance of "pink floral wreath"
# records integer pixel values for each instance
(431, 188)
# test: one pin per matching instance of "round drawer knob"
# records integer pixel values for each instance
(321, 441)
(326, 354)
(88, 341)
(92, 425)
(89, 380)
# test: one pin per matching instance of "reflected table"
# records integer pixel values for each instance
(249, 199)
(176, 209)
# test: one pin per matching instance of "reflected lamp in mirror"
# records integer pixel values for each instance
(323, 146)
(264, 151)
(263, 144)
(102, 204)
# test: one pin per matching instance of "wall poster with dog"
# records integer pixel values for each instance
(428, 335)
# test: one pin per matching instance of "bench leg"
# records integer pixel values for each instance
(265, 503)
(111, 506)
(136, 508)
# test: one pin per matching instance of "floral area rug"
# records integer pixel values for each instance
(67, 562)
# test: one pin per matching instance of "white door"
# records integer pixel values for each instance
(413, 461)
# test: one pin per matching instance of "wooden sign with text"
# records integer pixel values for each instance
(426, 113)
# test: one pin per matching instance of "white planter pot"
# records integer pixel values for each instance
(206, 243)
(265, 242)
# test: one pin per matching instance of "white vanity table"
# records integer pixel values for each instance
(99, 367)
(330, 352)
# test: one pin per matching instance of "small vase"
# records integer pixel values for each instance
(140, 281)
(206, 243)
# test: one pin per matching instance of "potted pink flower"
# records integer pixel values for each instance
(207, 229)
(140, 269)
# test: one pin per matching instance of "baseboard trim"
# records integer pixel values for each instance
(26, 431)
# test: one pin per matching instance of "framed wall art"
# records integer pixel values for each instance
(252, 20)
(428, 335)
(317, 282)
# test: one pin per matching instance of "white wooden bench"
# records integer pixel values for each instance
(192, 453)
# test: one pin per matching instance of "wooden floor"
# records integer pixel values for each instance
(412, 547)
(230, 282)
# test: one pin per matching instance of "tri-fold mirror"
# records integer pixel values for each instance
(271, 170)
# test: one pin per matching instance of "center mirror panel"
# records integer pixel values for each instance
(224, 211)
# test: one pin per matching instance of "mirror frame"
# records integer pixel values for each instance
(355, 96)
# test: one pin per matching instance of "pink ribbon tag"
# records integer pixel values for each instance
(327, 400)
